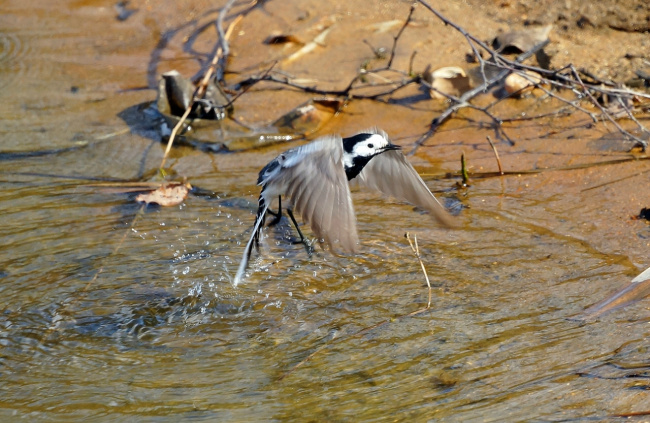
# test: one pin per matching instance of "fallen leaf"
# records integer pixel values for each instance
(451, 80)
(521, 41)
(166, 195)
(518, 83)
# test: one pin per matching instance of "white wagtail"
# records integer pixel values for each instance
(314, 178)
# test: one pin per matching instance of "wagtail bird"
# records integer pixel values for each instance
(314, 179)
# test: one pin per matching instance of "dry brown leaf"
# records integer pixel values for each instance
(451, 80)
(170, 194)
(521, 41)
(522, 82)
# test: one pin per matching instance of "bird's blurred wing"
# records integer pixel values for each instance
(391, 174)
(318, 188)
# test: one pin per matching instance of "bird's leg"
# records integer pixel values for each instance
(259, 224)
(303, 241)
(278, 215)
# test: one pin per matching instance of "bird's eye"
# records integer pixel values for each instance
(371, 146)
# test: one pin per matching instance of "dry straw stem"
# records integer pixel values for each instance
(496, 154)
(416, 250)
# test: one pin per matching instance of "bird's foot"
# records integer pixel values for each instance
(308, 245)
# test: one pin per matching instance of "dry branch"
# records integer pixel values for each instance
(566, 78)
(556, 78)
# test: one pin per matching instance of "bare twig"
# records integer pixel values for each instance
(463, 100)
(642, 143)
(346, 92)
(567, 78)
(399, 34)
(247, 87)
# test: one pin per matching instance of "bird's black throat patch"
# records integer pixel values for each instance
(358, 163)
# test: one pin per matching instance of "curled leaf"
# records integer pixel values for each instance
(170, 194)
(521, 41)
(518, 83)
(451, 80)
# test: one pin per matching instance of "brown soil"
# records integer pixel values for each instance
(610, 38)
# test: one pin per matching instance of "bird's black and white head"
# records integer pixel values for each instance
(359, 149)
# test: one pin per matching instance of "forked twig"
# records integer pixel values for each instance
(399, 34)
(463, 100)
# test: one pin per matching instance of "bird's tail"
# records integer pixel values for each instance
(254, 240)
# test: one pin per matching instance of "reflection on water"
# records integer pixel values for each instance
(114, 313)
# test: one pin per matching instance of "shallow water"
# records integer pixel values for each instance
(114, 312)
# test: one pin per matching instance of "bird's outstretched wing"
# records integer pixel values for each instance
(391, 174)
(318, 189)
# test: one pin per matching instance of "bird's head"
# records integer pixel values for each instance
(361, 148)
(368, 145)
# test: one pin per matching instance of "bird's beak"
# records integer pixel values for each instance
(392, 147)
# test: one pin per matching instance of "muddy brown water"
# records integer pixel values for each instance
(112, 314)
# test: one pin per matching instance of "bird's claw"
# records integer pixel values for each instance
(308, 246)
